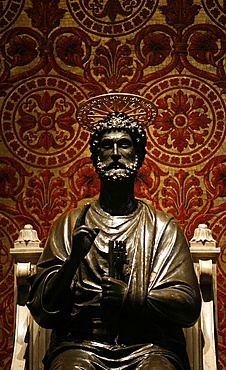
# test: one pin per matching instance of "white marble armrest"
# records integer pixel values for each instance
(28, 336)
(202, 337)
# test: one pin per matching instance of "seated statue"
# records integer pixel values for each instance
(115, 280)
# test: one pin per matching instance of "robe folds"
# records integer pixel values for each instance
(163, 294)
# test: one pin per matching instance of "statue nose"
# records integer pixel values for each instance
(115, 154)
(115, 157)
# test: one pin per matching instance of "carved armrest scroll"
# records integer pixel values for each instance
(205, 253)
(26, 252)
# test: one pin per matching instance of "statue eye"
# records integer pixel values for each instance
(107, 144)
(124, 143)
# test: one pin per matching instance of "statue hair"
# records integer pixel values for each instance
(118, 122)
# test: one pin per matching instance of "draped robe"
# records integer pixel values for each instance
(163, 294)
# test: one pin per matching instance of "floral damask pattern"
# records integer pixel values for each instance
(147, 181)
(156, 48)
(12, 176)
(44, 131)
(180, 14)
(190, 123)
(182, 195)
(216, 10)
(52, 124)
(110, 17)
(203, 47)
(70, 51)
(111, 9)
(22, 50)
(46, 196)
(45, 15)
(181, 124)
(56, 54)
(113, 63)
(9, 12)
(7, 235)
(83, 180)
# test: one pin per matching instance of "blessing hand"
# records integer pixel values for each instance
(82, 237)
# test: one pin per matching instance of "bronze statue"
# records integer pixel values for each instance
(115, 280)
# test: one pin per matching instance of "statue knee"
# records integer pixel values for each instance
(156, 362)
(72, 360)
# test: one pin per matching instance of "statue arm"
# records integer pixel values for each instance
(51, 295)
(174, 294)
(45, 315)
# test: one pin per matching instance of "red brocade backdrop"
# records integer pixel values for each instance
(56, 54)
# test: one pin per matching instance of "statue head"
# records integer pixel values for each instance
(112, 115)
(116, 122)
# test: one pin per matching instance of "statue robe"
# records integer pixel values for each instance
(163, 294)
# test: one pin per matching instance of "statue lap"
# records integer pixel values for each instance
(78, 359)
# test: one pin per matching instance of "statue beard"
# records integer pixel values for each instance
(118, 172)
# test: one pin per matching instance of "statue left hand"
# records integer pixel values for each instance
(113, 291)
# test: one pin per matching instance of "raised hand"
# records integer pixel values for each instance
(82, 237)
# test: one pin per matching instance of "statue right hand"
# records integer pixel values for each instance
(82, 237)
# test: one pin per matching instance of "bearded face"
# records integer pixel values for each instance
(117, 159)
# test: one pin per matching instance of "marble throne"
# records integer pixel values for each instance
(31, 341)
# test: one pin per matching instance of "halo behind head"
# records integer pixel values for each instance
(99, 107)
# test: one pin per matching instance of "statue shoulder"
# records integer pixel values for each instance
(160, 216)
(162, 219)
(69, 217)
(168, 225)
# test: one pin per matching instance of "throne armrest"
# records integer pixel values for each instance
(30, 340)
(22, 316)
(201, 339)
